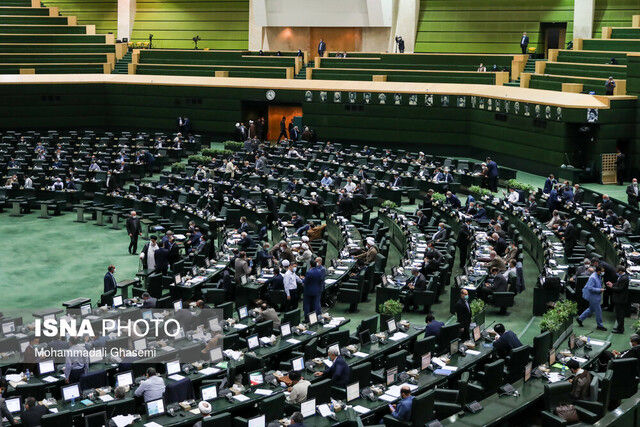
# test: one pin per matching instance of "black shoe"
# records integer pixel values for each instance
(579, 321)
(601, 328)
(617, 331)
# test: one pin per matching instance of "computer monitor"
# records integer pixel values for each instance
(256, 378)
(140, 344)
(527, 371)
(313, 318)
(253, 342)
(173, 367)
(425, 361)
(259, 421)
(209, 392)
(243, 312)
(335, 347)
(552, 357)
(70, 392)
(147, 315)
(297, 364)
(365, 337)
(177, 279)
(85, 309)
(124, 379)
(215, 354)
(353, 391)
(8, 328)
(391, 375)
(572, 341)
(23, 346)
(477, 334)
(117, 301)
(46, 366)
(155, 408)
(14, 405)
(308, 408)
(177, 305)
(285, 330)
(454, 346)
(391, 325)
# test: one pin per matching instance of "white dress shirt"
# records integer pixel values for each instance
(513, 197)
(290, 281)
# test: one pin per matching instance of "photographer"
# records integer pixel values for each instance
(400, 44)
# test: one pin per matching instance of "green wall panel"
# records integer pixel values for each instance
(101, 13)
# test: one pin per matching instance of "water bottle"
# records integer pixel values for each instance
(28, 375)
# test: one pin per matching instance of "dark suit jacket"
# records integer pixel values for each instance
(464, 235)
(162, 259)
(339, 372)
(433, 329)
(500, 246)
(463, 313)
(32, 416)
(133, 224)
(524, 41)
(632, 199)
(276, 283)
(314, 282)
(507, 341)
(246, 243)
(499, 284)
(109, 282)
(620, 290)
(419, 282)
(150, 302)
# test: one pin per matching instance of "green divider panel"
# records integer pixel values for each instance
(53, 48)
(54, 68)
(585, 70)
(42, 29)
(611, 44)
(35, 58)
(101, 13)
(34, 20)
(613, 14)
(255, 72)
(591, 57)
(23, 11)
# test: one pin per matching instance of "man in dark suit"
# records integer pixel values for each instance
(463, 313)
(32, 413)
(620, 298)
(245, 242)
(276, 283)
(433, 326)
(263, 257)
(496, 283)
(174, 250)
(4, 411)
(505, 341)
(322, 47)
(110, 283)
(633, 193)
(313, 286)
(633, 351)
(464, 238)
(148, 301)
(492, 174)
(453, 201)
(524, 42)
(162, 260)
(416, 283)
(283, 129)
(134, 229)
(569, 235)
(396, 181)
(421, 220)
(339, 371)
(578, 194)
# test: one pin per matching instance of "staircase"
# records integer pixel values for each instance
(303, 72)
(122, 65)
(529, 67)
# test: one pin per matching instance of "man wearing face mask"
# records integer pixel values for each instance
(592, 293)
(463, 313)
(632, 193)
(619, 297)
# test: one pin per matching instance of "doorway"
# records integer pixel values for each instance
(291, 112)
(554, 35)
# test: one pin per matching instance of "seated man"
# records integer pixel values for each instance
(152, 388)
(148, 301)
(298, 389)
(581, 381)
(496, 283)
(32, 413)
(633, 351)
(245, 242)
(402, 410)
(339, 371)
(433, 326)
(505, 341)
(416, 283)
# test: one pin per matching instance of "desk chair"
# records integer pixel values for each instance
(98, 419)
(227, 309)
(264, 329)
(422, 410)
(213, 296)
(503, 300)
(557, 394)
(489, 380)
(121, 407)
(516, 361)
(220, 420)
(623, 378)
(320, 390)
(292, 317)
(421, 347)
(93, 380)
(177, 391)
(61, 419)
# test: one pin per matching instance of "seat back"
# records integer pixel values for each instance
(264, 329)
(556, 394)
(623, 379)
(518, 359)
(121, 407)
(362, 374)
(422, 408)
(220, 420)
(178, 391)
(93, 380)
(370, 324)
(227, 309)
(541, 347)
(423, 346)
(292, 317)
(493, 376)
(320, 391)
(272, 406)
(447, 334)
(397, 359)
(60, 419)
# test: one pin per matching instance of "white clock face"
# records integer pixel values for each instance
(271, 95)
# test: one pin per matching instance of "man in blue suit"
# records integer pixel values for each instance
(592, 293)
(109, 279)
(549, 184)
(339, 371)
(492, 174)
(402, 410)
(453, 200)
(433, 326)
(313, 287)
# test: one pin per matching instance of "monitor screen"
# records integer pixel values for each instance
(527, 372)
(70, 392)
(308, 408)
(391, 325)
(215, 354)
(243, 312)
(453, 347)
(425, 361)
(85, 309)
(253, 342)
(476, 333)
(117, 301)
(177, 279)
(257, 421)
(285, 330)
(552, 357)
(209, 392)
(177, 305)
(46, 366)
(256, 378)
(173, 367)
(23, 346)
(313, 318)
(140, 344)
(8, 327)
(391, 375)
(147, 315)
(353, 391)
(298, 364)
(124, 379)
(155, 407)
(335, 347)
(13, 405)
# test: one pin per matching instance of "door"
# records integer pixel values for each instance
(276, 112)
(554, 34)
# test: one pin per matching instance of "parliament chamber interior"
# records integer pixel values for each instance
(372, 212)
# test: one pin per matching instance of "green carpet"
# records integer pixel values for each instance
(48, 261)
